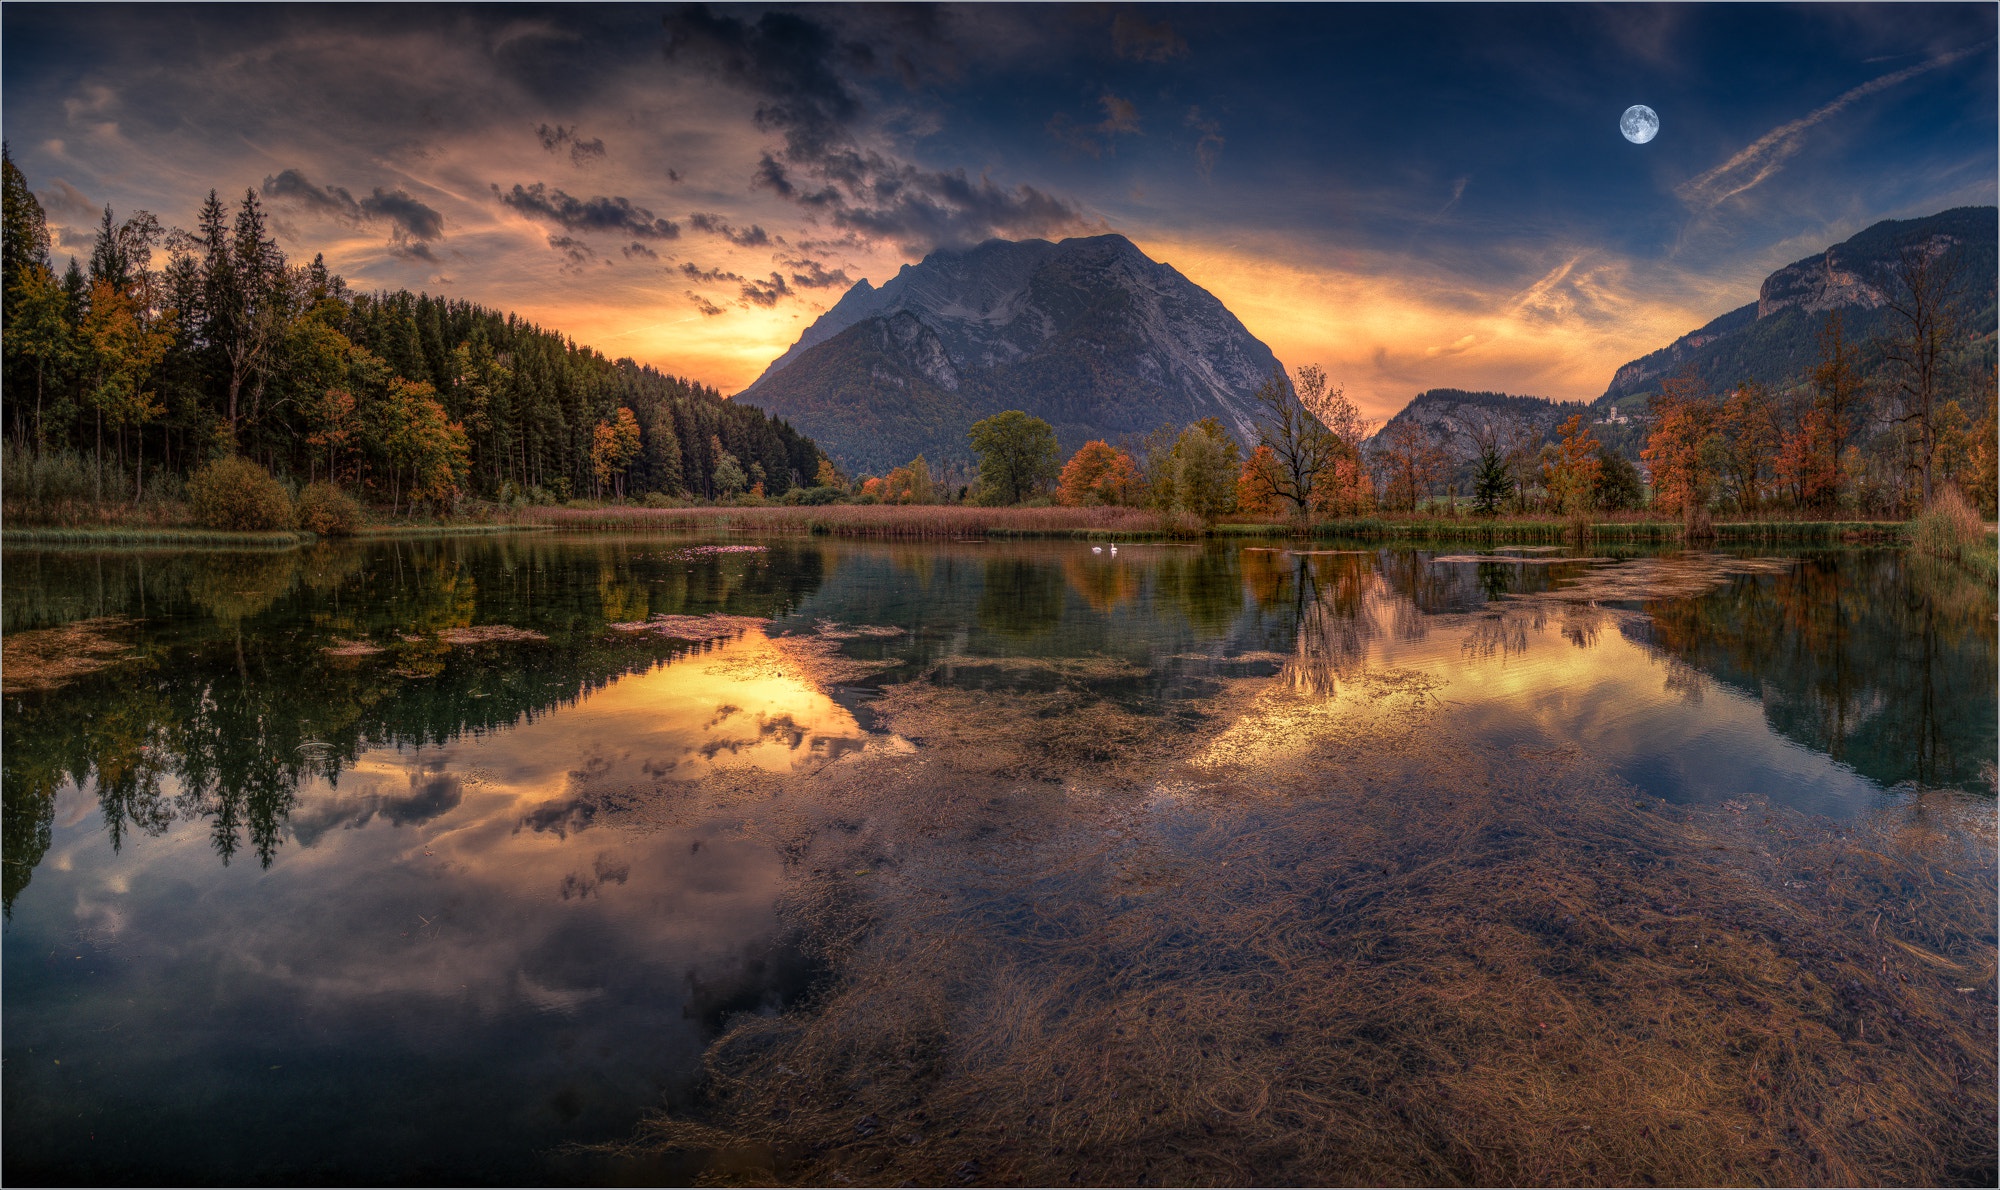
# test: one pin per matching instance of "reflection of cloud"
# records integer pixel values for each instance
(429, 794)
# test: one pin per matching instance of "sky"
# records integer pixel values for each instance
(1410, 195)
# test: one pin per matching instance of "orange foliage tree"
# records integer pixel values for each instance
(1571, 468)
(1098, 473)
(613, 446)
(1257, 485)
(1684, 416)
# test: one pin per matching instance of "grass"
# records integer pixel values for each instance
(1950, 531)
(116, 535)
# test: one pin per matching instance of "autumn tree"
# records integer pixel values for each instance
(1678, 449)
(614, 444)
(1751, 424)
(1570, 468)
(1310, 429)
(1257, 484)
(909, 484)
(1098, 473)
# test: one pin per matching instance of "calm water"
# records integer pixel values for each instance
(280, 915)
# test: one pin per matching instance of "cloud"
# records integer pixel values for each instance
(1209, 144)
(1132, 37)
(1763, 156)
(613, 214)
(695, 272)
(1463, 343)
(412, 223)
(1121, 117)
(575, 252)
(794, 67)
(556, 138)
(753, 237)
(708, 309)
(814, 275)
(766, 293)
(65, 200)
(636, 250)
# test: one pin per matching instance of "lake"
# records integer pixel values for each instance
(535, 858)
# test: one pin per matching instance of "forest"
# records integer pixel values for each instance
(172, 347)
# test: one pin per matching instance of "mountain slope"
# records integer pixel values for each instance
(1089, 333)
(1452, 417)
(1774, 339)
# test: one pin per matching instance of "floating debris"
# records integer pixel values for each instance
(835, 630)
(709, 551)
(692, 628)
(488, 634)
(351, 648)
(48, 658)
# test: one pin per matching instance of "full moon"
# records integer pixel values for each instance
(1639, 123)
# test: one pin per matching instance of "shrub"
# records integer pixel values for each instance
(235, 493)
(661, 500)
(814, 496)
(326, 510)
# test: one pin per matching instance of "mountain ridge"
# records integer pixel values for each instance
(1088, 333)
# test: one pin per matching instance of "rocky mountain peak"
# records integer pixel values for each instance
(1089, 333)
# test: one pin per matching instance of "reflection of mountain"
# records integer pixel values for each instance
(1883, 663)
(231, 701)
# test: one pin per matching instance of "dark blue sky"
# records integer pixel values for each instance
(1412, 195)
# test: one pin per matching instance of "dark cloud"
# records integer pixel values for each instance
(812, 274)
(574, 251)
(412, 223)
(708, 309)
(766, 293)
(1133, 37)
(752, 237)
(613, 214)
(1121, 117)
(695, 272)
(797, 69)
(636, 251)
(556, 139)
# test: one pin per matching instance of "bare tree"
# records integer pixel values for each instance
(1308, 430)
(1925, 277)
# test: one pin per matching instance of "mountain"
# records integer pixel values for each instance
(1089, 334)
(1775, 338)
(1453, 416)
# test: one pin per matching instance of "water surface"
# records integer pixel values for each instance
(280, 914)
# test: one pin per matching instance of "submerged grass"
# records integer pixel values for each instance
(1530, 529)
(1280, 938)
(878, 520)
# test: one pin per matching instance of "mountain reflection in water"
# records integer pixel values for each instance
(508, 862)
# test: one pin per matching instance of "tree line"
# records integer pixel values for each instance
(146, 366)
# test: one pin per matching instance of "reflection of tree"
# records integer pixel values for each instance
(1879, 660)
(1331, 606)
(1205, 586)
(223, 722)
(1103, 582)
(1020, 597)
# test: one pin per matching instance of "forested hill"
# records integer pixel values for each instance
(141, 363)
(1774, 339)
